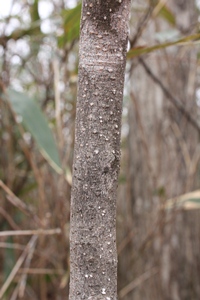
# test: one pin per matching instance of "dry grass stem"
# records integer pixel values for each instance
(58, 103)
(17, 266)
(41, 271)
(14, 200)
(9, 219)
(12, 246)
(31, 232)
(22, 282)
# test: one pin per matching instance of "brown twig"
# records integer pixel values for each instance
(12, 246)
(17, 266)
(12, 198)
(9, 219)
(22, 282)
(142, 25)
(170, 97)
(136, 282)
(144, 140)
(31, 232)
(125, 242)
(41, 271)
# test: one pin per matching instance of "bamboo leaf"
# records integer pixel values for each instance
(166, 13)
(35, 122)
(163, 11)
(187, 201)
(21, 33)
(134, 52)
(35, 17)
(71, 25)
(34, 11)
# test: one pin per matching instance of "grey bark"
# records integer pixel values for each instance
(103, 46)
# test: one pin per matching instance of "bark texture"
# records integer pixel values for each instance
(103, 47)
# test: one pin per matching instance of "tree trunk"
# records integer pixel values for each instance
(103, 46)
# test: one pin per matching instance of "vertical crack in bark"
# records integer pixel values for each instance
(102, 54)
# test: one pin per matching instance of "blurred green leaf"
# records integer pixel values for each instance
(134, 52)
(160, 191)
(21, 33)
(34, 11)
(160, 9)
(27, 189)
(71, 25)
(35, 18)
(122, 179)
(35, 122)
(166, 13)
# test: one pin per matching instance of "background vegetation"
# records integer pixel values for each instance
(158, 239)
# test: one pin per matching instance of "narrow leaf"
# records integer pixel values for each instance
(35, 122)
(186, 201)
(134, 52)
(166, 13)
(71, 24)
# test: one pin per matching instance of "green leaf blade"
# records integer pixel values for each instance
(35, 122)
(167, 14)
(71, 25)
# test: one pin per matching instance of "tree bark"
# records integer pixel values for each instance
(103, 47)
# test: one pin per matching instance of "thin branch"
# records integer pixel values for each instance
(141, 26)
(9, 219)
(125, 242)
(41, 271)
(144, 140)
(17, 266)
(58, 115)
(31, 232)
(138, 281)
(12, 246)
(171, 97)
(22, 283)
(12, 198)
